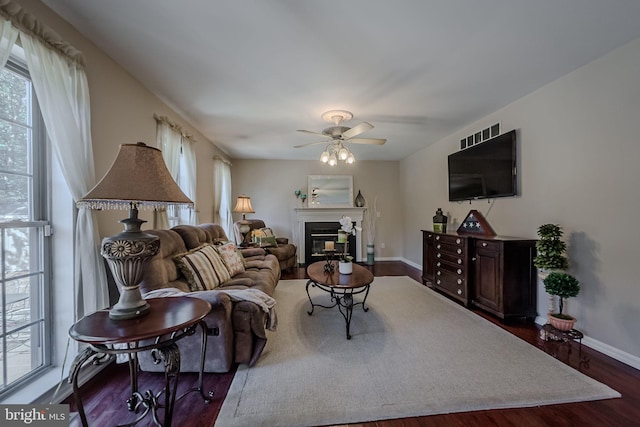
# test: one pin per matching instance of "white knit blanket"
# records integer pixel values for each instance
(264, 301)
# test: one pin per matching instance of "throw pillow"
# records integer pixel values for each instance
(267, 231)
(203, 267)
(232, 258)
(257, 234)
(267, 242)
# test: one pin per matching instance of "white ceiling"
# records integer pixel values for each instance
(248, 73)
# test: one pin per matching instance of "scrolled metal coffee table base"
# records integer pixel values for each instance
(342, 298)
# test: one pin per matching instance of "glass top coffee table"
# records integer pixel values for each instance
(341, 287)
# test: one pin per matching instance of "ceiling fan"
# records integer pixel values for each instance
(339, 135)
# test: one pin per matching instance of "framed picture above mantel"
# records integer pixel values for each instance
(330, 191)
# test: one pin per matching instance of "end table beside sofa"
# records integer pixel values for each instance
(236, 329)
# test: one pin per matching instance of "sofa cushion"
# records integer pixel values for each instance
(231, 257)
(203, 267)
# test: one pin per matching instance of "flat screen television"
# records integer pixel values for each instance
(484, 171)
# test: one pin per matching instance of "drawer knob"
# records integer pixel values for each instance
(459, 271)
(438, 281)
(429, 235)
(438, 246)
(459, 291)
(438, 264)
(459, 281)
(437, 237)
(438, 272)
(459, 251)
(459, 261)
(458, 241)
(438, 255)
(484, 244)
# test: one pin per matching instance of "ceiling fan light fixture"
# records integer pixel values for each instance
(351, 159)
(333, 160)
(324, 157)
(343, 153)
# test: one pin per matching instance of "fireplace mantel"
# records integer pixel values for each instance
(303, 215)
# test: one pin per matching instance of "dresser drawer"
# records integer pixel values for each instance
(458, 270)
(452, 283)
(454, 259)
(449, 248)
(490, 245)
(450, 240)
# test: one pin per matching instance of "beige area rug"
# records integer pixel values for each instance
(413, 353)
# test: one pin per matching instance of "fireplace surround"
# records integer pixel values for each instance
(302, 216)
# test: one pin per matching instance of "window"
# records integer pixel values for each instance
(180, 157)
(24, 276)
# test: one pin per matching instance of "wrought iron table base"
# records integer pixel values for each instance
(166, 352)
(342, 298)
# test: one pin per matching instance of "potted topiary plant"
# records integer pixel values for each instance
(564, 286)
(550, 250)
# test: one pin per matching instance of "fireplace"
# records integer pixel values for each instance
(303, 216)
(317, 234)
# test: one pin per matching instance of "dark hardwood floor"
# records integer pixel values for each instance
(104, 396)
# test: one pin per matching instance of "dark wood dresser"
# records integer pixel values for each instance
(495, 274)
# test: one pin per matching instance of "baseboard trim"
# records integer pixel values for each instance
(606, 349)
(411, 263)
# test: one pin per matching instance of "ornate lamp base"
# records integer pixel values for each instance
(126, 254)
(130, 305)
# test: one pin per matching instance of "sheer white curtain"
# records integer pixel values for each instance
(179, 155)
(222, 195)
(168, 140)
(63, 93)
(8, 36)
(188, 181)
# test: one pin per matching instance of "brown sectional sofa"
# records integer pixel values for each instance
(236, 329)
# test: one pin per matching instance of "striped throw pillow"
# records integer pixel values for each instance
(203, 268)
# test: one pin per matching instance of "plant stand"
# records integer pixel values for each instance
(553, 339)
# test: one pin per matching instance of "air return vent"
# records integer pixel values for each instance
(480, 136)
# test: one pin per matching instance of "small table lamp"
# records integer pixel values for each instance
(138, 177)
(243, 206)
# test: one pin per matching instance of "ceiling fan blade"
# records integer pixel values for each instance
(311, 143)
(311, 132)
(375, 141)
(357, 130)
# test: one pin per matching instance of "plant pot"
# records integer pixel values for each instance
(561, 324)
(345, 267)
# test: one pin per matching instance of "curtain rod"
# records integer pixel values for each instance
(174, 126)
(222, 159)
(28, 23)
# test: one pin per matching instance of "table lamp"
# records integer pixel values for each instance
(137, 178)
(243, 205)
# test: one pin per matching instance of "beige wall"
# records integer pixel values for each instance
(578, 151)
(271, 185)
(579, 147)
(122, 113)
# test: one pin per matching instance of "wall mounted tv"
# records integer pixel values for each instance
(484, 171)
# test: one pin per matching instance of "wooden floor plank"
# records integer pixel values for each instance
(105, 395)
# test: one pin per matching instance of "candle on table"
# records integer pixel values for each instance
(329, 246)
